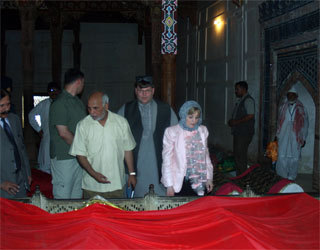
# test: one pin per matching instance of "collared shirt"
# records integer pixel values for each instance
(67, 110)
(7, 121)
(1, 124)
(146, 119)
(248, 104)
(292, 111)
(104, 147)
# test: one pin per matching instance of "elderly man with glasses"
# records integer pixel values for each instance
(148, 118)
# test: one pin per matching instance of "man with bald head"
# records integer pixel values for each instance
(291, 133)
(102, 141)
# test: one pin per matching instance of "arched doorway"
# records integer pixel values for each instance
(307, 152)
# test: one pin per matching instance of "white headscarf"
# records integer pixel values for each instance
(293, 90)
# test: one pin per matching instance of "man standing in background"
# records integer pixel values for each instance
(64, 115)
(291, 133)
(242, 125)
(42, 111)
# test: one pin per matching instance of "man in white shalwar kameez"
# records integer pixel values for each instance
(42, 127)
(291, 133)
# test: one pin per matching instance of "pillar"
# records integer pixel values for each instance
(28, 12)
(148, 50)
(76, 45)
(144, 27)
(155, 13)
(3, 49)
(56, 29)
(169, 50)
(168, 86)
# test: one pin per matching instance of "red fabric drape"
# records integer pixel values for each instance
(278, 222)
(43, 180)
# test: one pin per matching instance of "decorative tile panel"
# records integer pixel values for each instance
(169, 35)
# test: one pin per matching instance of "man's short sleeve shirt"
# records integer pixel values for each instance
(67, 110)
(249, 106)
(104, 147)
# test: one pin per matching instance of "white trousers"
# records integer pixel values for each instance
(66, 179)
(287, 167)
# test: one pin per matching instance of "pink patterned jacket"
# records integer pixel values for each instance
(174, 165)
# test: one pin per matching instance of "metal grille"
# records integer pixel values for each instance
(302, 61)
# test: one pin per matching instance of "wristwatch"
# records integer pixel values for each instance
(132, 173)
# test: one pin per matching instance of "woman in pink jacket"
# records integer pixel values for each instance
(187, 169)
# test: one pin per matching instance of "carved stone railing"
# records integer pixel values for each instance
(150, 202)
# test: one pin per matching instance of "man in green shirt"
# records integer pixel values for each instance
(64, 115)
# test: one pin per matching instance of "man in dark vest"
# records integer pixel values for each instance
(148, 118)
(242, 125)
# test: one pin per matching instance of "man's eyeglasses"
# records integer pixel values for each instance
(144, 91)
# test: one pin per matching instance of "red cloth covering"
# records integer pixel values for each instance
(43, 180)
(277, 222)
(278, 186)
(228, 188)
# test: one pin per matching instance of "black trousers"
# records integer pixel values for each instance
(186, 189)
(240, 152)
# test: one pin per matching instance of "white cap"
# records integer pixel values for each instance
(293, 90)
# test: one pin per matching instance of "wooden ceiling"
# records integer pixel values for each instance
(101, 11)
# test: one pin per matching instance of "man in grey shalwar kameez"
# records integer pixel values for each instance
(148, 118)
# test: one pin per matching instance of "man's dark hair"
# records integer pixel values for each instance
(72, 75)
(243, 84)
(53, 85)
(6, 82)
(144, 82)
(4, 93)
